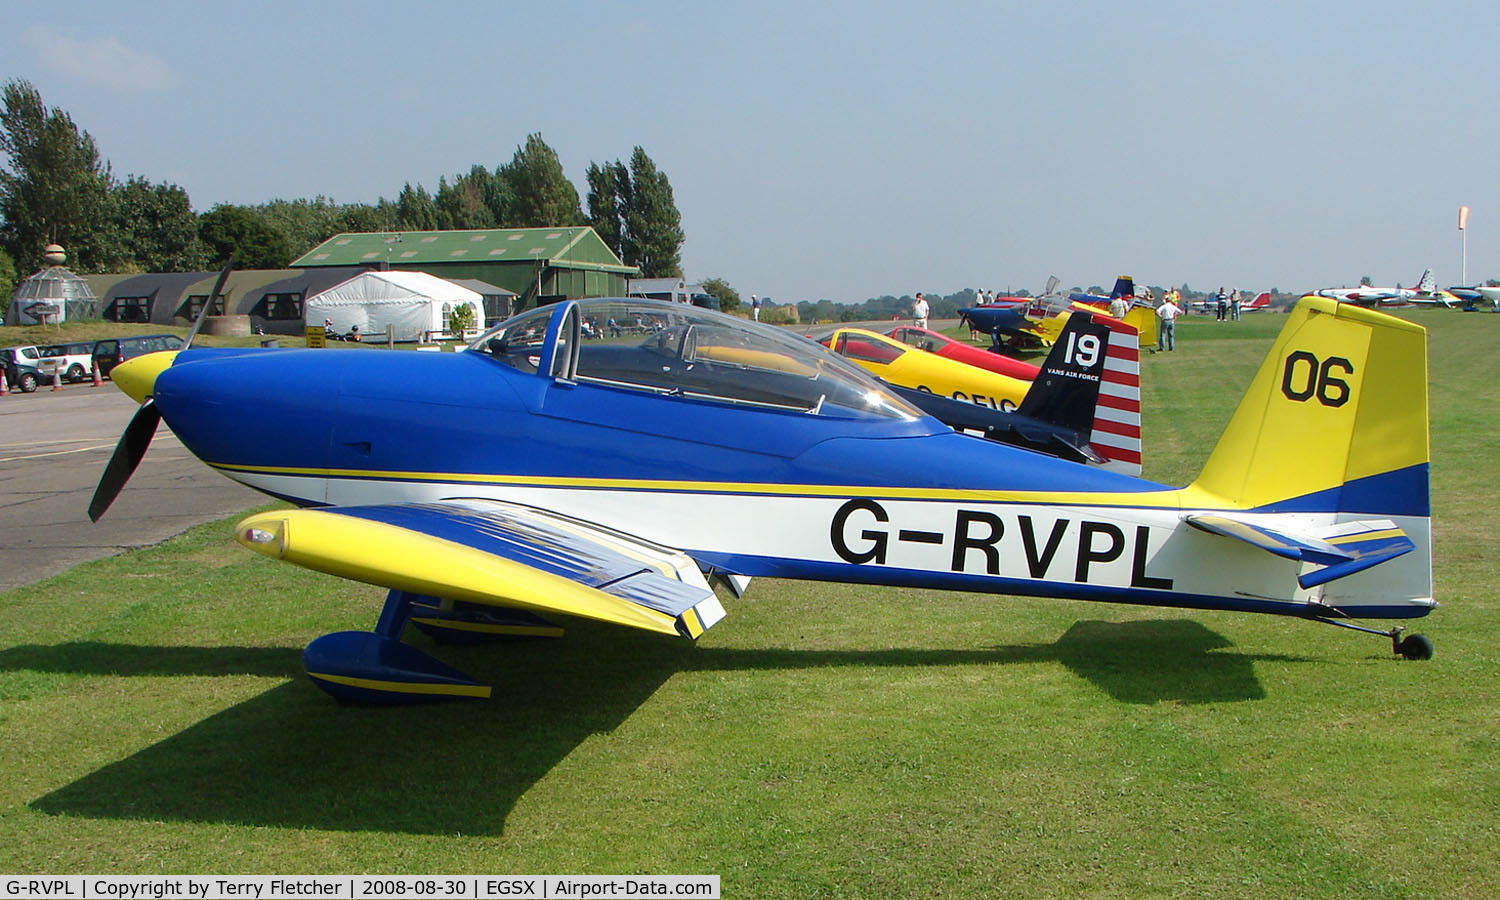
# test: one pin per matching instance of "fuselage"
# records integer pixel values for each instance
(752, 490)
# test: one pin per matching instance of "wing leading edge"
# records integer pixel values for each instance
(498, 554)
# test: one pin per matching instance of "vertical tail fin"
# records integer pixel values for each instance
(1334, 421)
(1142, 320)
(1427, 283)
(1116, 433)
(1090, 385)
(1261, 301)
(1124, 287)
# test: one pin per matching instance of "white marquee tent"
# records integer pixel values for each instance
(411, 303)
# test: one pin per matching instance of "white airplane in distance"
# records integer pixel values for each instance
(1425, 293)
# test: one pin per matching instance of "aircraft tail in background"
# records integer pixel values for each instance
(1091, 384)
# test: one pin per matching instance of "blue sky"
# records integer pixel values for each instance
(845, 150)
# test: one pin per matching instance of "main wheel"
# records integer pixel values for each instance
(28, 383)
(1416, 646)
(76, 373)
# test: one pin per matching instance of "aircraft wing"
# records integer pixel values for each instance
(1341, 550)
(495, 553)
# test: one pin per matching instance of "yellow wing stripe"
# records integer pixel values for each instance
(485, 628)
(389, 556)
(1368, 536)
(693, 624)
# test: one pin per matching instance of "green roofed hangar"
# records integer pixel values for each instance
(541, 265)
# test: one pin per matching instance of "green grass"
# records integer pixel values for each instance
(823, 741)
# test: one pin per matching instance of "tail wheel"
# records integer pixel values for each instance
(1415, 646)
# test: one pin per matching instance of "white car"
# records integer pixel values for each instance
(75, 361)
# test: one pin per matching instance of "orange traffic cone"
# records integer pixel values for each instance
(57, 379)
(98, 380)
(3, 389)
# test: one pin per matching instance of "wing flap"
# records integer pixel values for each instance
(498, 554)
(1340, 550)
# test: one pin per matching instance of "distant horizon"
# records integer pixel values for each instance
(836, 150)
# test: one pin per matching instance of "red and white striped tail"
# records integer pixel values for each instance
(1117, 417)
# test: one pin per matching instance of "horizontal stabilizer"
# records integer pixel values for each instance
(499, 554)
(1340, 550)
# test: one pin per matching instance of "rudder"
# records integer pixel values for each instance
(1335, 419)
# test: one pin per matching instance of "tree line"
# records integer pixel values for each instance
(55, 187)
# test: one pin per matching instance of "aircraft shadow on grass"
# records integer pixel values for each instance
(289, 758)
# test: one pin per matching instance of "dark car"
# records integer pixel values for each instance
(111, 352)
(20, 371)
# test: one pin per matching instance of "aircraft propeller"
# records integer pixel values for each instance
(137, 437)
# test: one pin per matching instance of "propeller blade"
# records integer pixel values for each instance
(213, 298)
(132, 446)
(137, 437)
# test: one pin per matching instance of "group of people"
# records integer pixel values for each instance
(1227, 306)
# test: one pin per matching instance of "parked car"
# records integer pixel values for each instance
(111, 352)
(74, 361)
(20, 368)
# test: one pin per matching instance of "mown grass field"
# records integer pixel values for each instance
(823, 741)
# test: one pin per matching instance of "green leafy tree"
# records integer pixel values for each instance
(468, 202)
(305, 223)
(239, 232)
(609, 186)
(415, 210)
(461, 318)
(362, 217)
(729, 298)
(55, 188)
(653, 226)
(154, 229)
(542, 195)
(778, 315)
(7, 279)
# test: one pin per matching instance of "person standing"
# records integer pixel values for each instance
(920, 310)
(1234, 305)
(1119, 306)
(755, 307)
(1221, 307)
(1168, 313)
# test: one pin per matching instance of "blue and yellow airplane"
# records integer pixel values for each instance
(618, 471)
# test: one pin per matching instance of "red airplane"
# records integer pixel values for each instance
(942, 345)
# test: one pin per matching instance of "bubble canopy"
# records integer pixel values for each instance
(683, 351)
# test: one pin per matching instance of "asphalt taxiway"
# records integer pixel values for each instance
(53, 448)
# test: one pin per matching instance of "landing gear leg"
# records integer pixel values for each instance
(1413, 646)
(377, 668)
